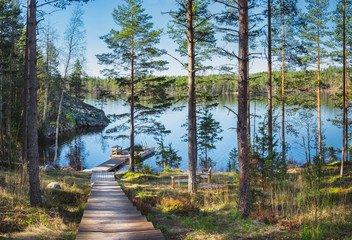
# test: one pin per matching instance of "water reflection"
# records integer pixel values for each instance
(95, 148)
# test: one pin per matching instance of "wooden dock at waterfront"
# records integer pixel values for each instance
(118, 161)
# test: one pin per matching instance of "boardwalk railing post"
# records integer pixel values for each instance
(209, 175)
(173, 181)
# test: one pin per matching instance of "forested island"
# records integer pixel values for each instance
(239, 153)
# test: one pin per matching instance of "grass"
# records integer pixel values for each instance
(57, 218)
(294, 208)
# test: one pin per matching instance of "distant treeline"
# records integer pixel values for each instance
(227, 83)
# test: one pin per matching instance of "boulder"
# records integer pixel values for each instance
(77, 114)
(53, 185)
(49, 169)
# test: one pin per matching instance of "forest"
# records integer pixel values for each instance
(263, 194)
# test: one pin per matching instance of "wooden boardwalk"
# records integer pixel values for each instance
(109, 214)
(118, 161)
(102, 176)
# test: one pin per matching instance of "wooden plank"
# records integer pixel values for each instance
(115, 226)
(140, 235)
(102, 176)
(110, 215)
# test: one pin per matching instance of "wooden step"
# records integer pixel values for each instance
(109, 214)
(139, 235)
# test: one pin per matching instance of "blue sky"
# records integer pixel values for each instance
(98, 21)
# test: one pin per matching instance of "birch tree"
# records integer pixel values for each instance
(74, 45)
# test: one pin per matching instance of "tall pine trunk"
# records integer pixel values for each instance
(131, 168)
(33, 154)
(25, 113)
(245, 201)
(1, 115)
(270, 105)
(319, 94)
(47, 76)
(283, 88)
(344, 94)
(192, 119)
(9, 106)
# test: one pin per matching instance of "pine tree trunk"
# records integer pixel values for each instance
(270, 105)
(25, 113)
(245, 201)
(131, 168)
(47, 77)
(192, 119)
(1, 117)
(9, 106)
(33, 154)
(248, 104)
(319, 99)
(283, 89)
(344, 121)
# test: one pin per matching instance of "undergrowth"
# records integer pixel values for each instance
(292, 208)
(59, 215)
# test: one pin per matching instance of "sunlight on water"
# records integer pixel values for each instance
(96, 148)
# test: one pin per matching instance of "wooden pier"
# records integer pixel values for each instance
(118, 161)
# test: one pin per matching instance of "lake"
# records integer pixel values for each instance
(95, 147)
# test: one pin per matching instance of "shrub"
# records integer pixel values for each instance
(178, 206)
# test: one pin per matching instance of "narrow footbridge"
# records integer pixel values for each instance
(109, 214)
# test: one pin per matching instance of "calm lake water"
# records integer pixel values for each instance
(96, 148)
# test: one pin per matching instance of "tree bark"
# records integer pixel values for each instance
(33, 154)
(131, 167)
(25, 113)
(9, 106)
(283, 88)
(245, 201)
(47, 75)
(319, 95)
(192, 119)
(270, 104)
(248, 104)
(344, 80)
(1, 117)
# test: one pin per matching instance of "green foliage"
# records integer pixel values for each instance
(166, 156)
(316, 29)
(233, 160)
(204, 34)
(207, 135)
(76, 82)
(137, 33)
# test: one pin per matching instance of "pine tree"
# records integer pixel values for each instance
(30, 119)
(208, 134)
(196, 41)
(285, 26)
(316, 19)
(134, 51)
(343, 36)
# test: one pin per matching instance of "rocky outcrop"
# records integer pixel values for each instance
(77, 114)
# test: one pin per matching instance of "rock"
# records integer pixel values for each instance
(53, 185)
(43, 199)
(77, 114)
(49, 169)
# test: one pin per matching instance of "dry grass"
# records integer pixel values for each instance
(293, 208)
(57, 218)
